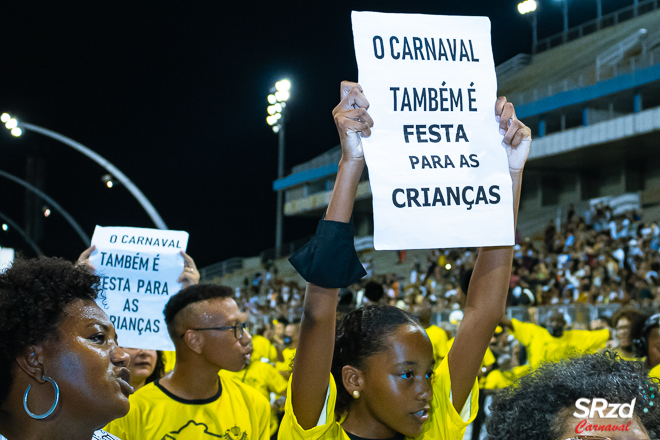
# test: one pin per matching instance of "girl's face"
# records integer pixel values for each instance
(397, 387)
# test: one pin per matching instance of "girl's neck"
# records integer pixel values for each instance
(362, 423)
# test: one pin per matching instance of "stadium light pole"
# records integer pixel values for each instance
(276, 119)
(529, 7)
(564, 7)
(16, 128)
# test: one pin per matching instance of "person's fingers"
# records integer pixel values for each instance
(346, 87)
(508, 114)
(521, 135)
(512, 130)
(360, 115)
(86, 253)
(353, 99)
(350, 126)
(499, 106)
(187, 260)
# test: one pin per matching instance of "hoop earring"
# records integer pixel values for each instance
(52, 408)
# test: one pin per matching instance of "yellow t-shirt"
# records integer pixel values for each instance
(263, 378)
(438, 339)
(288, 354)
(169, 359)
(237, 412)
(444, 422)
(263, 349)
(655, 371)
(502, 379)
(541, 346)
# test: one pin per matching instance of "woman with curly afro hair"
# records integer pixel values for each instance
(542, 405)
(63, 374)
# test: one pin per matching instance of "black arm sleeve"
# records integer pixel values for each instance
(329, 259)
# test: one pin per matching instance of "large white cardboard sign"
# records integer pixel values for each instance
(437, 168)
(139, 269)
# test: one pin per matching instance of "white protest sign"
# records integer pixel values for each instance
(439, 174)
(139, 269)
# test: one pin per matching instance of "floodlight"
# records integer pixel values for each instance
(282, 95)
(283, 86)
(527, 6)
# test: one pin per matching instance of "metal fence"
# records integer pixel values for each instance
(594, 25)
(221, 269)
(286, 249)
(577, 81)
(578, 315)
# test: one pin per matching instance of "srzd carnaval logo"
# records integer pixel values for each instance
(587, 409)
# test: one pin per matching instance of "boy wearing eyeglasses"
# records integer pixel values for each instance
(192, 401)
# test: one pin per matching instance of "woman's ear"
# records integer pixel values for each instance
(353, 380)
(31, 362)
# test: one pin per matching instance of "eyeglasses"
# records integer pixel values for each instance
(238, 329)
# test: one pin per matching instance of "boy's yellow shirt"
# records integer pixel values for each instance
(236, 412)
(444, 422)
(264, 378)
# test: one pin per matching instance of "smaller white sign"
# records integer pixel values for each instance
(139, 269)
(6, 258)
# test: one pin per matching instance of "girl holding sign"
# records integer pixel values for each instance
(381, 380)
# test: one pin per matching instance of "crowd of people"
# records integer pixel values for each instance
(351, 356)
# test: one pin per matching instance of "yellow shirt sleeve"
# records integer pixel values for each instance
(591, 340)
(525, 332)
(327, 429)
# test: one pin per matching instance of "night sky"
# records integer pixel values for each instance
(174, 95)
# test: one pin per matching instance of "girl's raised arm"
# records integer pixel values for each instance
(329, 262)
(486, 296)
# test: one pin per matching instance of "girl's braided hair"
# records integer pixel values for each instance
(361, 334)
